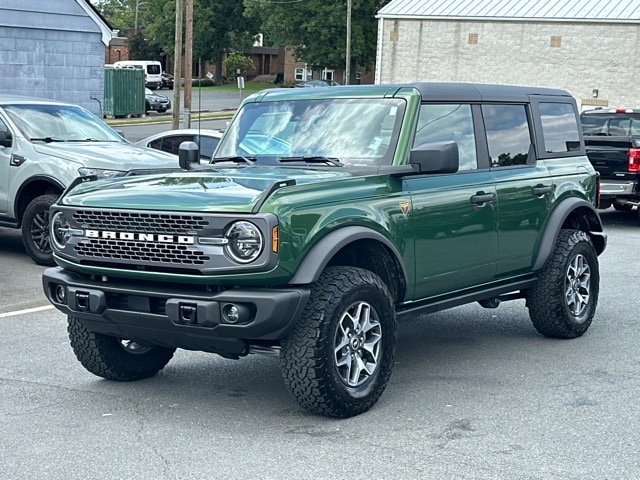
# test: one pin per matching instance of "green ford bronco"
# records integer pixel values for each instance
(325, 216)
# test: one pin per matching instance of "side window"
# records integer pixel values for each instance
(559, 127)
(171, 144)
(508, 134)
(445, 122)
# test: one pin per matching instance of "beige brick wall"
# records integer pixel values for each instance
(589, 56)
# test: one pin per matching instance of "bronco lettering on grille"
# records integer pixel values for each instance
(140, 237)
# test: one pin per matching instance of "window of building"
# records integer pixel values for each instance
(446, 122)
(473, 38)
(508, 134)
(556, 41)
(559, 127)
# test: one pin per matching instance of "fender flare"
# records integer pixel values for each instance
(25, 186)
(554, 225)
(323, 251)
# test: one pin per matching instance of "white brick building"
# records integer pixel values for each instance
(589, 47)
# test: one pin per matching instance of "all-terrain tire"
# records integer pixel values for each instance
(114, 358)
(338, 358)
(563, 301)
(36, 231)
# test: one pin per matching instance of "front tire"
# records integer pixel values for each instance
(338, 358)
(35, 229)
(563, 301)
(114, 358)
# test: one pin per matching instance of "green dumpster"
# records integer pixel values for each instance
(123, 92)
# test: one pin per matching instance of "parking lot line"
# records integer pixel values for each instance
(23, 312)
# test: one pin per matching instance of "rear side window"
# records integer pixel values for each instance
(559, 127)
(508, 134)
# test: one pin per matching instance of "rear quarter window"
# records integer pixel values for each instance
(560, 130)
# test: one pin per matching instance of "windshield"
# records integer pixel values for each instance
(355, 132)
(60, 123)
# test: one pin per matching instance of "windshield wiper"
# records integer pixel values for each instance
(237, 159)
(46, 139)
(313, 159)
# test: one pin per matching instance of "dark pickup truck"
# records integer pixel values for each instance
(612, 140)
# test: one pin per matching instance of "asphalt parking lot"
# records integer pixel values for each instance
(475, 394)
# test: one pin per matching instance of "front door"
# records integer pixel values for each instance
(454, 215)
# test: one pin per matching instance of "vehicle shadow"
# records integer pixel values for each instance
(11, 241)
(625, 220)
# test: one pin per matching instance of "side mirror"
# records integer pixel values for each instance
(188, 155)
(5, 139)
(436, 157)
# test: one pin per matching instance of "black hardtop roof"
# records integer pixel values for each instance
(475, 92)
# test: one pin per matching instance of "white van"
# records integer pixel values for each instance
(152, 70)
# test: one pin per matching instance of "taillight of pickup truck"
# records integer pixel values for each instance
(633, 165)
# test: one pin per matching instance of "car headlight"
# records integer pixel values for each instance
(60, 230)
(245, 242)
(100, 172)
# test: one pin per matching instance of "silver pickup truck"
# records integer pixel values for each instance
(46, 145)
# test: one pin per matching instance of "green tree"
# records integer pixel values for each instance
(237, 61)
(219, 27)
(317, 29)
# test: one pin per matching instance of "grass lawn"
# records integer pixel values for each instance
(250, 87)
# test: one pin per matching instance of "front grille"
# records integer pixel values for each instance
(139, 221)
(130, 251)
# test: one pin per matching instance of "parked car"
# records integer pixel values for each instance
(167, 81)
(312, 83)
(154, 102)
(170, 140)
(44, 147)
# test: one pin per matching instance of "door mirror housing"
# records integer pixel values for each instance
(5, 139)
(188, 155)
(436, 157)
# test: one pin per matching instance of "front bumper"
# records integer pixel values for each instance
(159, 106)
(163, 315)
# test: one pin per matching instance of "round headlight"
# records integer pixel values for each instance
(245, 242)
(60, 230)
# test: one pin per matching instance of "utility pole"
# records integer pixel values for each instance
(347, 67)
(177, 58)
(188, 62)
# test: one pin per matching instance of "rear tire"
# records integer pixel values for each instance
(35, 229)
(338, 358)
(563, 301)
(114, 358)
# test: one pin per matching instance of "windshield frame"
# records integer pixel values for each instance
(355, 131)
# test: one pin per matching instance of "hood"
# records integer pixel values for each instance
(223, 190)
(108, 155)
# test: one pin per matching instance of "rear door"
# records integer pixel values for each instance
(523, 185)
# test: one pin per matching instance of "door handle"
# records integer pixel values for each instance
(481, 198)
(541, 190)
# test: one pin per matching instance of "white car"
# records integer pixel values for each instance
(169, 141)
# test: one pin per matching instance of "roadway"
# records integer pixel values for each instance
(475, 394)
